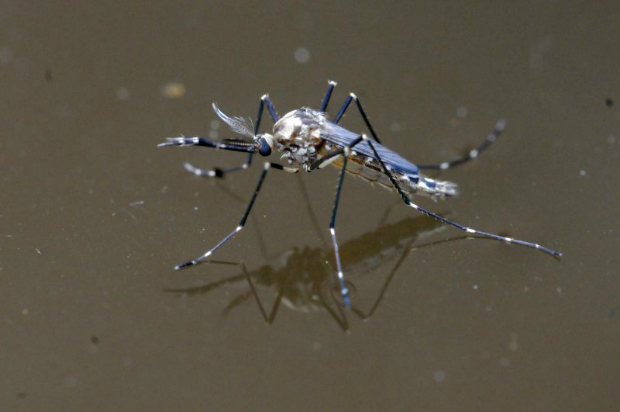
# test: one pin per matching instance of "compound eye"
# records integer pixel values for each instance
(264, 149)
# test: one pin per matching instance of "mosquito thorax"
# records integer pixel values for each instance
(298, 127)
(298, 133)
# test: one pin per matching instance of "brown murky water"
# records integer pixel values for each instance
(94, 217)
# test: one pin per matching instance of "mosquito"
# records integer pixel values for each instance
(300, 278)
(309, 140)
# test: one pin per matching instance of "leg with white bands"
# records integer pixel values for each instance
(183, 141)
(353, 97)
(474, 153)
(241, 223)
(270, 108)
(216, 171)
(328, 95)
(454, 224)
(332, 224)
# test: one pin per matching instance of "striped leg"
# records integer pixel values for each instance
(442, 219)
(344, 108)
(332, 224)
(241, 223)
(474, 153)
(328, 95)
(270, 108)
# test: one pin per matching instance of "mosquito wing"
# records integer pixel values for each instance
(340, 136)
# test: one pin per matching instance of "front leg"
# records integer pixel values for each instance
(244, 218)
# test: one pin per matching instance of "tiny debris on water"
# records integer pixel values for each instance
(136, 203)
(173, 90)
(461, 111)
(302, 55)
(6, 55)
(513, 345)
(122, 93)
(439, 376)
(609, 102)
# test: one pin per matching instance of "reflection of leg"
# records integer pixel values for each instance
(387, 282)
(491, 138)
(276, 305)
(204, 289)
(311, 214)
(241, 223)
(392, 274)
(236, 301)
(341, 319)
(386, 214)
(442, 219)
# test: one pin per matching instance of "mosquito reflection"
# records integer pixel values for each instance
(302, 280)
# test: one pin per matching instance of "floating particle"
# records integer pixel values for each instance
(395, 127)
(173, 90)
(439, 376)
(302, 55)
(461, 111)
(6, 55)
(71, 382)
(122, 93)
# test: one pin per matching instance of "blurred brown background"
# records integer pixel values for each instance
(93, 216)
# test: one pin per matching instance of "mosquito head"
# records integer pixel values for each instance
(264, 143)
